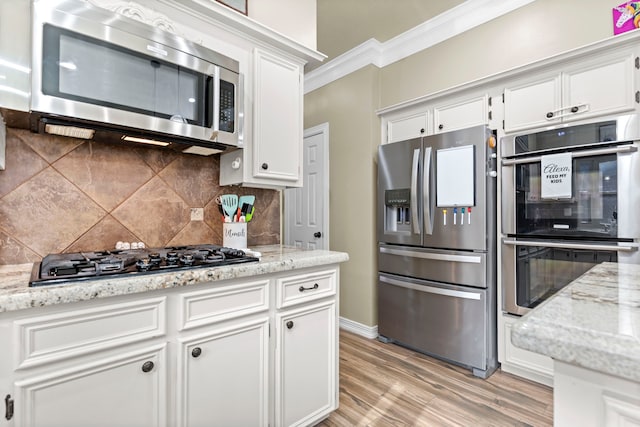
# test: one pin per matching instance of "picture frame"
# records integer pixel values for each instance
(237, 5)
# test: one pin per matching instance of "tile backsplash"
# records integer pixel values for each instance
(62, 194)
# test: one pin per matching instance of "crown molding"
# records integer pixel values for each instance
(449, 24)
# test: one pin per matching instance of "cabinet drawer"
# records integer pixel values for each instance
(293, 290)
(223, 303)
(57, 336)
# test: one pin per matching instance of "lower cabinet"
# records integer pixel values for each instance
(224, 377)
(230, 353)
(306, 372)
(127, 390)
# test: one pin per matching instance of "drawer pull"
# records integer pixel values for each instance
(196, 352)
(302, 288)
(290, 324)
(147, 366)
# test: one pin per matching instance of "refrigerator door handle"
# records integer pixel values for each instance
(438, 257)
(426, 193)
(415, 223)
(431, 289)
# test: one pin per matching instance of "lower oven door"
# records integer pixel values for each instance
(534, 270)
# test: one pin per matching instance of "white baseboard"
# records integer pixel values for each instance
(370, 332)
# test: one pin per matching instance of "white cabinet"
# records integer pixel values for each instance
(127, 390)
(223, 356)
(225, 376)
(409, 127)
(459, 115)
(517, 361)
(242, 352)
(273, 153)
(578, 91)
(586, 398)
(79, 367)
(306, 370)
(447, 115)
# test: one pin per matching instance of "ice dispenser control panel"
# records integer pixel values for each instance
(397, 210)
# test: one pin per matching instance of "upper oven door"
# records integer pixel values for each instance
(603, 199)
(92, 64)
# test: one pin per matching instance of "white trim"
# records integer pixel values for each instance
(451, 23)
(369, 332)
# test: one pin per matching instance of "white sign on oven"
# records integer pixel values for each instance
(555, 176)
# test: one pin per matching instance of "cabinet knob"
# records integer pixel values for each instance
(147, 366)
(441, 126)
(265, 166)
(422, 130)
(549, 115)
(196, 352)
(310, 288)
(290, 324)
(574, 109)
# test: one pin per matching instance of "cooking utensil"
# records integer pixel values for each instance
(245, 203)
(230, 205)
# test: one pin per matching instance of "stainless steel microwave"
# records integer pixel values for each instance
(95, 72)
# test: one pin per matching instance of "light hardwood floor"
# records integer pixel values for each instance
(388, 385)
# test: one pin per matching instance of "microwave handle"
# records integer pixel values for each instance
(587, 246)
(576, 154)
(216, 99)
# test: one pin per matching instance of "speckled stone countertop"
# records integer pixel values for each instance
(15, 293)
(593, 323)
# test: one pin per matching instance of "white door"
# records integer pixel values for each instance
(307, 208)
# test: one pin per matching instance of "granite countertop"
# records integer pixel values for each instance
(15, 293)
(593, 323)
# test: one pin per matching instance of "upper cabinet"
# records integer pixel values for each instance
(444, 115)
(273, 153)
(463, 114)
(600, 86)
(408, 127)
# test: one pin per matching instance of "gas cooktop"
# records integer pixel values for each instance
(71, 267)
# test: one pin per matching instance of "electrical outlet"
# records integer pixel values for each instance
(197, 214)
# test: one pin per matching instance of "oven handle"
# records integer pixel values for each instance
(585, 153)
(587, 246)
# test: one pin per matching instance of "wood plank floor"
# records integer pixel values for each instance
(388, 385)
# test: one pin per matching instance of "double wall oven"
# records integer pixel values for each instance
(550, 238)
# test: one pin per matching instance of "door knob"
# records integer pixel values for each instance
(317, 234)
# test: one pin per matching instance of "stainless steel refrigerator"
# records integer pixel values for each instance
(436, 221)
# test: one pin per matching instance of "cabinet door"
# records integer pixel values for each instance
(532, 104)
(128, 390)
(223, 377)
(306, 367)
(277, 115)
(605, 87)
(461, 115)
(409, 127)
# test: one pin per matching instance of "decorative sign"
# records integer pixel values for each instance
(555, 175)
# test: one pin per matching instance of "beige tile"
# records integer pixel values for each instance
(103, 236)
(48, 212)
(21, 162)
(194, 178)
(264, 228)
(50, 147)
(107, 173)
(197, 233)
(13, 252)
(155, 213)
